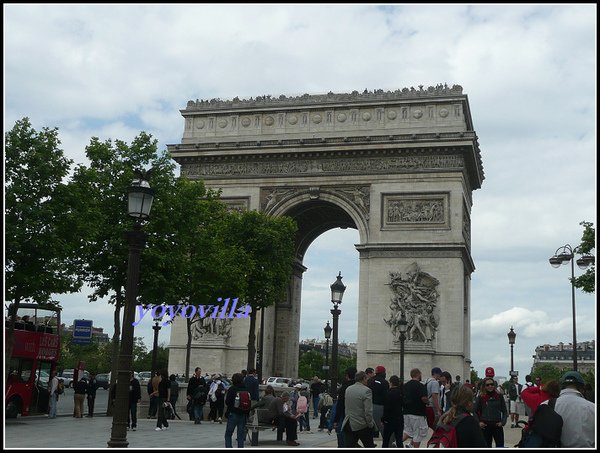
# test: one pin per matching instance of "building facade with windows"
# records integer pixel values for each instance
(561, 356)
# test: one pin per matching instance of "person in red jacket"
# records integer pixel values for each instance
(533, 396)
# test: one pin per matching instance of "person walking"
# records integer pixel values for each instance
(468, 432)
(340, 412)
(393, 416)
(252, 385)
(379, 387)
(414, 404)
(358, 423)
(514, 396)
(135, 396)
(197, 394)
(316, 387)
(53, 402)
(324, 406)
(152, 407)
(174, 385)
(236, 417)
(434, 408)
(80, 388)
(91, 394)
(163, 395)
(578, 414)
(490, 408)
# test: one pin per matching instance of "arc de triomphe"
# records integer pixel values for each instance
(398, 166)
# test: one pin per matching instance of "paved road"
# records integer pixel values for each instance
(39, 432)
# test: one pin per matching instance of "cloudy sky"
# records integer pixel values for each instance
(529, 71)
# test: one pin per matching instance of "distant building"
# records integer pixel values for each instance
(344, 349)
(561, 356)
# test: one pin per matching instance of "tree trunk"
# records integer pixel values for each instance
(252, 341)
(188, 348)
(115, 349)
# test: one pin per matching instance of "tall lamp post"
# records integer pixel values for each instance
(337, 292)
(140, 203)
(156, 327)
(327, 330)
(511, 340)
(563, 255)
(402, 327)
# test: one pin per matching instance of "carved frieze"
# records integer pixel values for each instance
(466, 226)
(237, 204)
(415, 210)
(284, 167)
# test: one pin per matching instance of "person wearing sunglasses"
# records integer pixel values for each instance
(490, 408)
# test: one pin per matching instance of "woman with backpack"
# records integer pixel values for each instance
(467, 432)
(236, 414)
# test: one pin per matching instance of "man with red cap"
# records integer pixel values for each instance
(379, 386)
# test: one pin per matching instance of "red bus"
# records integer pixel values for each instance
(35, 353)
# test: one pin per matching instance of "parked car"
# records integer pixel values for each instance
(144, 377)
(103, 380)
(276, 381)
(67, 377)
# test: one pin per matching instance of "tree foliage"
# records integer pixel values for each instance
(268, 243)
(587, 281)
(36, 202)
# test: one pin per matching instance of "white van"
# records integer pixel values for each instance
(276, 381)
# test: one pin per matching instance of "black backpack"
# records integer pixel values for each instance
(544, 429)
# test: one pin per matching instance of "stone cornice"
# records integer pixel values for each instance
(440, 90)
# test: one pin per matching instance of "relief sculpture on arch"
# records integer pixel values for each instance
(415, 295)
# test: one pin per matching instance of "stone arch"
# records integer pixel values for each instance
(404, 181)
(345, 215)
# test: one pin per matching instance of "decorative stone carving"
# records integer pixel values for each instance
(413, 210)
(209, 328)
(292, 119)
(246, 121)
(342, 117)
(237, 204)
(358, 196)
(269, 121)
(392, 115)
(317, 118)
(274, 196)
(418, 113)
(414, 294)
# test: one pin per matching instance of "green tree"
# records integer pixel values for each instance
(587, 281)
(269, 246)
(310, 364)
(37, 243)
(548, 372)
(101, 188)
(189, 260)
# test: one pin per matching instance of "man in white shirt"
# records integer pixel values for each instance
(578, 414)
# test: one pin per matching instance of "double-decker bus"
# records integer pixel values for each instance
(35, 354)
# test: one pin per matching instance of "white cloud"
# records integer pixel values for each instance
(529, 70)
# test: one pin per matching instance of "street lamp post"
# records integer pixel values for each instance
(511, 340)
(337, 292)
(402, 326)
(156, 327)
(327, 330)
(563, 255)
(140, 203)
